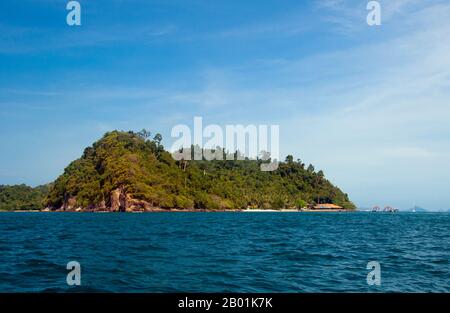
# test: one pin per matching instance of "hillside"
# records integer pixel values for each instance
(22, 197)
(125, 171)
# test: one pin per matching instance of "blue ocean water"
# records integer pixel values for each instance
(225, 252)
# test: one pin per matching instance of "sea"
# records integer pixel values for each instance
(225, 252)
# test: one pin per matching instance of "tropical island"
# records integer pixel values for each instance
(129, 172)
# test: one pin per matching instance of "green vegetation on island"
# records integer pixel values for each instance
(127, 171)
(22, 197)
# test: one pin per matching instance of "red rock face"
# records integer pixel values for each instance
(69, 204)
(120, 201)
(114, 200)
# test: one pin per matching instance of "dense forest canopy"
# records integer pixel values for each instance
(22, 197)
(127, 171)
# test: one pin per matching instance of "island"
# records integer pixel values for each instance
(126, 171)
(418, 209)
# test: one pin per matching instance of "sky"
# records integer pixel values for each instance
(369, 105)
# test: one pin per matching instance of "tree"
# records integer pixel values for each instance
(289, 159)
(144, 134)
(278, 203)
(301, 204)
(157, 139)
(321, 174)
(310, 168)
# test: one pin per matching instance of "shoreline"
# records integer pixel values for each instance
(181, 211)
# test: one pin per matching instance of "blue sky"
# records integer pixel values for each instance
(368, 105)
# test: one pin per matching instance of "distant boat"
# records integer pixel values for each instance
(390, 209)
(386, 209)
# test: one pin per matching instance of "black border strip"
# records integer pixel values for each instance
(278, 303)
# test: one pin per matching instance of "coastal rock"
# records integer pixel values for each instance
(121, 201)
(69, 204)
(118, 200)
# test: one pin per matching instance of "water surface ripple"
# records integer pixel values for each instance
(225, 252)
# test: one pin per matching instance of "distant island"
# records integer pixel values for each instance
(128, 172)
(418, 209)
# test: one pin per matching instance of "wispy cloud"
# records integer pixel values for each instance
(22, 40)
(349, 16)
